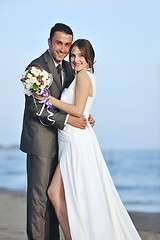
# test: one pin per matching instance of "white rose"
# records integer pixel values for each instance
(38, 83)
(29, 75)
(37, 73)
(42, 87)
(27, 81)
(33, 70)
(44, 73)
(33, 79)
(44, 79)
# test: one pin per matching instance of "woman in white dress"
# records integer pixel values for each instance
(82, 192)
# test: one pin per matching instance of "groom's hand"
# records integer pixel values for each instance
(78, 122)
(91, 120)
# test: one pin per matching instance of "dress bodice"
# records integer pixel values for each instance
(68, 94)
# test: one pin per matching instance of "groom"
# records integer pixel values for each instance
(39, 136)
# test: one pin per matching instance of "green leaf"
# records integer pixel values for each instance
(35, 86)
(33, 92)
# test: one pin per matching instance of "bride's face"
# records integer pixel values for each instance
(78, 60)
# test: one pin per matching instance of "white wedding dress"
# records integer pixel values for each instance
(95, 211)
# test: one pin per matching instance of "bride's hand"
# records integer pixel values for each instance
(41, 97)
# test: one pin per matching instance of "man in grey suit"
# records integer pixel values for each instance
(39, 136)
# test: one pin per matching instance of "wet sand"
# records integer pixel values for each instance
(13, 218)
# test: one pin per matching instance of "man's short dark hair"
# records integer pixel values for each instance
(60, 27)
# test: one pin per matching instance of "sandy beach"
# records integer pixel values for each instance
(13, 218)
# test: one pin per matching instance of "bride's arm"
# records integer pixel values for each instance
(82, 91)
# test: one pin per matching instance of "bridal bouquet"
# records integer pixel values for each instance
(36, 81)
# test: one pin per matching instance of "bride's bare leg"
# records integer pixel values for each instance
(57, 196)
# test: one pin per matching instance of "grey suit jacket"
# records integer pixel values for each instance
(36, 138)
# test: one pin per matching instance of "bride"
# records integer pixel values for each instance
(82, 192)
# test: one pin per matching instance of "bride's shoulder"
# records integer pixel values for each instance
(83, 76)
(84, 73)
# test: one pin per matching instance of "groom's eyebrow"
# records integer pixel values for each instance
(60, 42)
(68, 44)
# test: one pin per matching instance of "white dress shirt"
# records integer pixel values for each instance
(63, 76)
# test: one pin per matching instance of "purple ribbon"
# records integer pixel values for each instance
(49, 95)
(45, 92)
(48, 104)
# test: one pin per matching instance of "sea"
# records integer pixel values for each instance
(136, 175)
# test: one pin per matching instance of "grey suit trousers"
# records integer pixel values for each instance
(42, 223)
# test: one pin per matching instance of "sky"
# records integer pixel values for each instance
(126, 38)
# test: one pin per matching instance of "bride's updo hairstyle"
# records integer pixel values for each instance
(86, 48)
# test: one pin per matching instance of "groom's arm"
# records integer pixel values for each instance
(55, 118)
(46, 116)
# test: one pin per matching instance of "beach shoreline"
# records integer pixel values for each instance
(13, 218)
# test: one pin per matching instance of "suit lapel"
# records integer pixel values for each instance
(52, 69)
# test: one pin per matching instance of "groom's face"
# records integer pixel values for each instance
(60, 45)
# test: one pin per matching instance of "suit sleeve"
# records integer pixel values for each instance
(46, 116)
